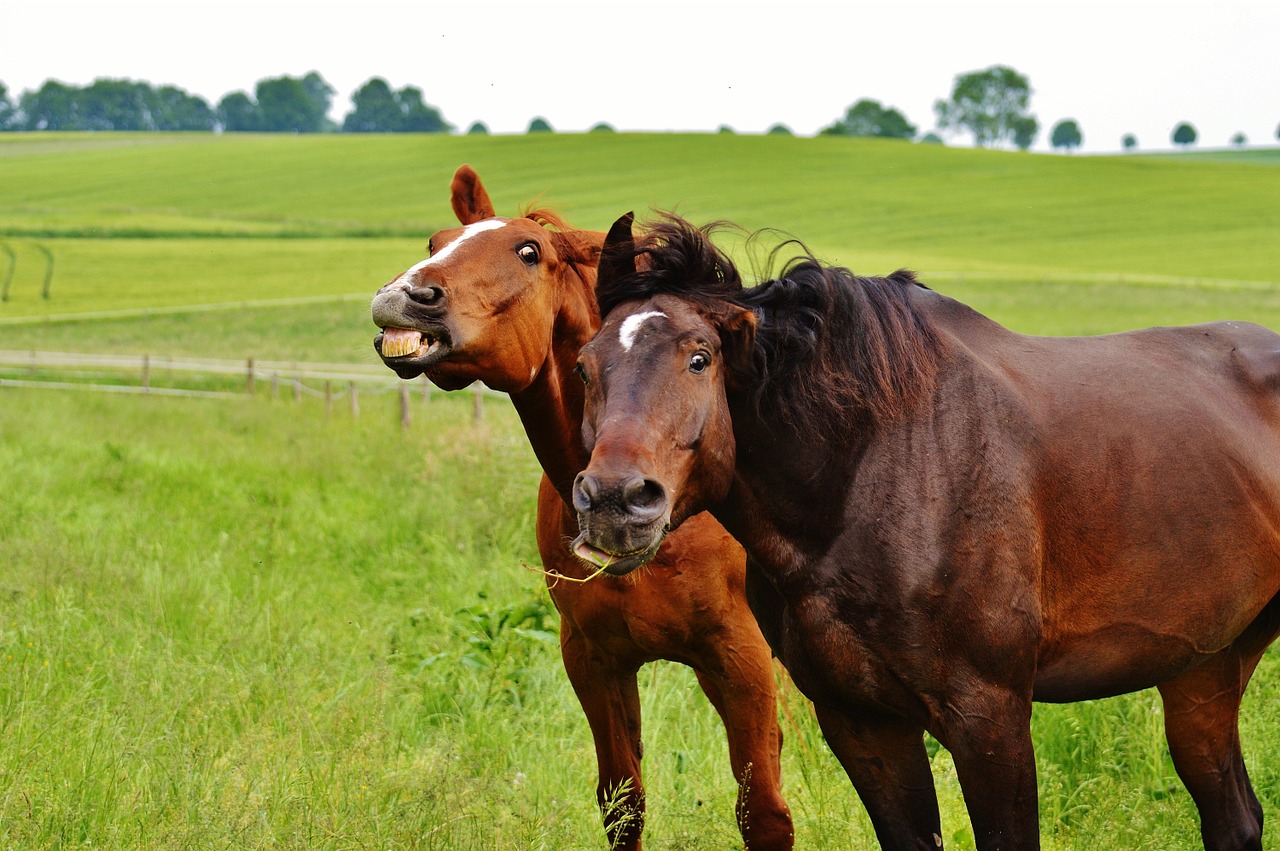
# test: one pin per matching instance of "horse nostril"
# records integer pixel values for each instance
(428, 296)
(645, 497)
(586, 492)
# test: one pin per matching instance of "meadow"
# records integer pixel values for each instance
(246, 623)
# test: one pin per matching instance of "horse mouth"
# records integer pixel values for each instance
(615, 564)
(410, 351)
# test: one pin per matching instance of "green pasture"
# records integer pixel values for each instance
(250, 624)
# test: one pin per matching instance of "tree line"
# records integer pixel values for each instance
(992, 105)
(278, 105)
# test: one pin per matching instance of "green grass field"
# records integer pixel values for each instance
(248, 624)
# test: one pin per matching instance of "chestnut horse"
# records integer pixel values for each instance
(510, 301)
(946, 520)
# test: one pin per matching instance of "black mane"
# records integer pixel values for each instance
(827, 342)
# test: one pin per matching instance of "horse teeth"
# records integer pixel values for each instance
(398, 342)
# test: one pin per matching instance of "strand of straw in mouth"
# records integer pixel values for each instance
(557, 576)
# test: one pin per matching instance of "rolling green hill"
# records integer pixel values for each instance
(1048, 244)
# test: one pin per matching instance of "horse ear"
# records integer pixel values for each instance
(470, 202)
(737, 342)
(616, 258)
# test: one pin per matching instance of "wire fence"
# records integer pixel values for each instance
(190, 377)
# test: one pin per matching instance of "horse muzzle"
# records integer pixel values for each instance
(621, 522)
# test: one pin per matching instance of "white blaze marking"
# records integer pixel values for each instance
(467, 232)
(631, 326)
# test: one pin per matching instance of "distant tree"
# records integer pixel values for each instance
(779, 130)
(931, 138)
(419, 116)
(1239, 140)
(51, 107)
(1184, 134)
(237, 113)
(374, 109)
(294, 105)
(987, 103)
(1129, 141)
(7, 111)
(1066, 134)
(478, 128)
(870, 118)
(1025, 130)
(379, 109)
(540, 125)
(174, 109)
(726, 130)
(603, 127)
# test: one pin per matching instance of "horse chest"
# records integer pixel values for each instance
(834, 658)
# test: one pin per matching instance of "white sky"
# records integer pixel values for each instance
(1117, 67)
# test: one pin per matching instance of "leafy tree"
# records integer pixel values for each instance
(870, 118)
(603, 127)
(419, 117)
(478, 128)
(51, 107)
(1129, 141)
(540, 125)
(379, 109)
(237, 113)
(374, 109)
(7, 115)
(1184, 134)
(1024, 132)
(779, 130)
(294, 105)
(174, 109)
(726, 130)
(931, 138)
(1239, 140)
(1066, 134)
(987, 103)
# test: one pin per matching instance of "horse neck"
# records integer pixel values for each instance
(550, 408)
(780, 475)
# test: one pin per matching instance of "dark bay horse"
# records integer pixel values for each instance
(510, 301)
(946, 520)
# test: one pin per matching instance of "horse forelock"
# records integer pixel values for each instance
(672, 257)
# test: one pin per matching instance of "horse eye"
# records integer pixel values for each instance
(582, 373)
(699, 362)
(431, 247)
(528, 253)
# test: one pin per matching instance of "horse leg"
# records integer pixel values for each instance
(988, 732)
(1201, 723)
(739, 682)
(610, 698)
(886, 761)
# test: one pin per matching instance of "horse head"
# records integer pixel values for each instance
(656, 420)
(477, 307)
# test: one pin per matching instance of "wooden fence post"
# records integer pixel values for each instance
(146, 373)
(328, 398)
(406, 417)
(249, 376)
(478, 409)
(355, 401)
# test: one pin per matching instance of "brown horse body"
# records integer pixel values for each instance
(509, 302)
(947, 520)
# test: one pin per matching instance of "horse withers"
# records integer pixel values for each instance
(510, 301)
(946, 520)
